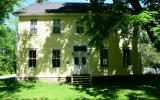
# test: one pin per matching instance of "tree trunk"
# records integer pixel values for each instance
(137, 9)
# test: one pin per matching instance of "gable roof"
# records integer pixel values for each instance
(52, 7)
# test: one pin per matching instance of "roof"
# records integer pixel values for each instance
(52, 7)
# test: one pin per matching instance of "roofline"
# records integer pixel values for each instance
(50, 14)
(21, 12)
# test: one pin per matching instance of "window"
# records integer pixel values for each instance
(76, 60)
(104, 57)
(56, 58)
(32, 58)
(83, 60)
(80, 48)
(56, 26)
(79, 27)
(126, 57)
(33, 26)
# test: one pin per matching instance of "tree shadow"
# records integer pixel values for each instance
(6, 91)
(114, 90)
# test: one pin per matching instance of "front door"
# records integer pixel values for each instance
(80, 60)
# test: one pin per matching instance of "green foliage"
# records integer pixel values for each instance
(121, 18)
(7, 7)
(150, 57)
(41, 1)
(7, 50)
(156, 31)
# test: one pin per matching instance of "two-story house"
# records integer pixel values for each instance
(52, 45)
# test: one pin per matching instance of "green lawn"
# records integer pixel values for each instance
(52, 91)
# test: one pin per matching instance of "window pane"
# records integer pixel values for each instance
(56, 26)
(126, 57)
(80, 48)
(33, 26)
(76, 48)
(56, 58)
(30, 62)
(56, 62)
(76, 60)
(56, 54)
(33, 21)
(83, 48)
(80, 30)
(32, 58)
(84, 60)
(32, 53)
(79, 27)
(104, 57)
(34, 62)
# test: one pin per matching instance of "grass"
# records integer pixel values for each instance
(53, 91)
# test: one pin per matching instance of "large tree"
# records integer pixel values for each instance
(124, 15)
(7, 50)
(7, 38)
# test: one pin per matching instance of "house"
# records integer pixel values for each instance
(52, 46)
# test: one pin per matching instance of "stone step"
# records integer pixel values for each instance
(81, 79)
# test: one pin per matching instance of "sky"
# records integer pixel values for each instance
(13, 19)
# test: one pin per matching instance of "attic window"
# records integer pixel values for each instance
(33, 26)
(56, 26)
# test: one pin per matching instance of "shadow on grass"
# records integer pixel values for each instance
(12, 86)
(121, 91)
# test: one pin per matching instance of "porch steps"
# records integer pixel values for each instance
(81, 79)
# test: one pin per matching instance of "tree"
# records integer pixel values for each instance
(41, 1)
(7, 50)
(6, 7)
(7, 38)
(122, 16)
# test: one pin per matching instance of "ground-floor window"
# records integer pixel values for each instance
(32, 58)
(126, 57)
(56, 58)
(104, 57)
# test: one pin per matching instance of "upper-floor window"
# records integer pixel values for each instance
(56, 58)
(33, 26)
(79, 27)
(126, 57)
(32, 58)
(80, 48)
(104, 57)
(56, 26)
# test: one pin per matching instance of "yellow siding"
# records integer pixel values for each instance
(45, 41)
